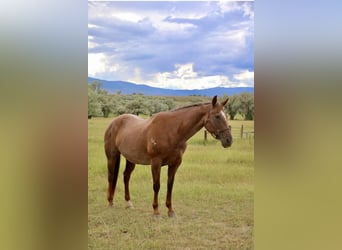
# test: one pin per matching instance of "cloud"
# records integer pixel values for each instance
(96, 64)
(245, 77)
(234, 6)
(99, 64)
(177, 42)
(184, 77)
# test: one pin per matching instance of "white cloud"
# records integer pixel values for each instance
(165, 27)
(236, 39)
(231, 6)
(99, 63)
(228, 6)
(90, 43)
(184, 77)
(127, 16)
(248, 10)
(185, 71)
(96, 64)
(245, 77)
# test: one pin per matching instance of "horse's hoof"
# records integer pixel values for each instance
(171, 214)
(129, 204)
(156, 216)
(110, 205)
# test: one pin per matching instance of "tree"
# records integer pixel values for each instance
(94, 106)
(250, 112)
(107, 104)
(233, 106)
(160, 107)
(247, 105)
(157, 105)
(170, 104)
(120, 109)
(96, 86)
(99, 102)
(137, 107)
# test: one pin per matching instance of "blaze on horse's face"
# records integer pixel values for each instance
(217, 125)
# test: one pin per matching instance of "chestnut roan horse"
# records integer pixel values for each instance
(158, 141)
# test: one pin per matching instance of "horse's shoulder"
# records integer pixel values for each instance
(156, 120)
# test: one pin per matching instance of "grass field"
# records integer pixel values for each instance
(212, 197)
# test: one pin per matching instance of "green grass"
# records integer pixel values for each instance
(212, 196)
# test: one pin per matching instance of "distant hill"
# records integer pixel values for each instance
(129, 88)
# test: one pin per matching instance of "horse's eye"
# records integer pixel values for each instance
(217, 117)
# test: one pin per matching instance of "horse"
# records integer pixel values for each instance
(158, 141)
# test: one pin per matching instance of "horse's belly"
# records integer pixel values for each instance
(138, 160)
(136, 156)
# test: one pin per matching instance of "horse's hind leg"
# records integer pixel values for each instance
(113, 164)
(127, 175)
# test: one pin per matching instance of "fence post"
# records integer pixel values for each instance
(241, 131)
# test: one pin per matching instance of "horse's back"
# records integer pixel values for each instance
(124, 125)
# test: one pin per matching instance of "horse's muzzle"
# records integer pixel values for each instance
(226, 141)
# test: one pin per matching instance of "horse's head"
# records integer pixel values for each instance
(216, 123)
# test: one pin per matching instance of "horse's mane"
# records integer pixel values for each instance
(189, 106)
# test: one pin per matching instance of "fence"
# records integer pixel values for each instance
(247, 134)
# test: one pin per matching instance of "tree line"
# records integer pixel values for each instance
(101, 103)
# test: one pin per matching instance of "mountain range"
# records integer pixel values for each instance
(130, 88)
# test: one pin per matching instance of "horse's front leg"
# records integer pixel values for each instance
(170, 179)
(155, 167)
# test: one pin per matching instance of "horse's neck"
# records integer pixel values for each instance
(193, 121)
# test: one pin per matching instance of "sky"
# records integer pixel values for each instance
(174, 45)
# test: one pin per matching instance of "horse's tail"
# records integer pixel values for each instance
(113, 164)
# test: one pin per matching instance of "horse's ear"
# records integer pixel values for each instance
(214, 100)
(225, 102)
